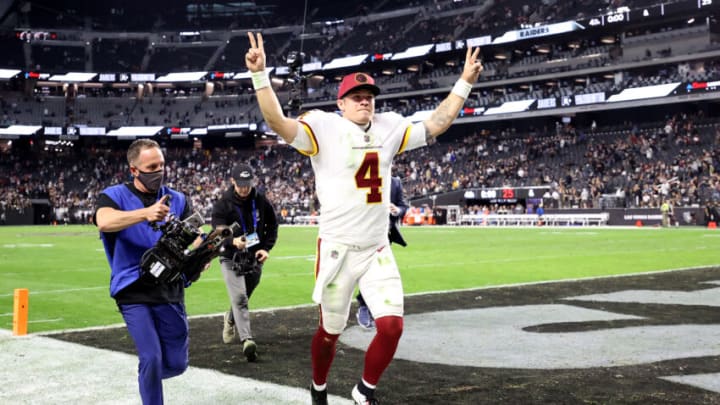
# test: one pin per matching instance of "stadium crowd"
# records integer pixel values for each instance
(644, 166)
(642, 163)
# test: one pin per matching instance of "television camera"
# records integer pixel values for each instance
(245, 262)
(296, 81)
(171, 259)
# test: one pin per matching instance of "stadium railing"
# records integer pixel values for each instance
(303, 220)
(597, 219)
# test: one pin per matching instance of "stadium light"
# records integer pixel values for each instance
(7, 74)
(182, 77)
(20, 130)
(640, 93)
(345, 62)
(135, 131)
(510, 107)
(413, 51)
(73, 77)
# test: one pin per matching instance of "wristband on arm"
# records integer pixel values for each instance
(260, 80)
(462, 89)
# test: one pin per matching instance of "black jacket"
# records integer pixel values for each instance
(227, 210)
(397, 198)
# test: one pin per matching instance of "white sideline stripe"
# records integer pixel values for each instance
(203, 316)
(46, 320)
(43, 370)
(417, 294)
(27, 245)
(307, 257)
(104, 287)
(38, 369)
(62, 291)
(569, 280)
(534, 258)
(59, 270)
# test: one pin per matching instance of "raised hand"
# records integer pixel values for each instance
(255, 56)
(473, 66)
(158, 211)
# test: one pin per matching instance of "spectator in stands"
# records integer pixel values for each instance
(712, 213)
(351, 153)
(666, 211)
(241, 262)
(154, 311)
(540, 211)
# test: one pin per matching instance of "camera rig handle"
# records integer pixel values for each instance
(210, 248)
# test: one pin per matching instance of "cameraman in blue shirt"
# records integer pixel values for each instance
(154, 311)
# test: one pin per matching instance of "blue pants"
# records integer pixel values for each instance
(161, 338)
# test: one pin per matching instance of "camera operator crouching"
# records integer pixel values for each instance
(241, 262)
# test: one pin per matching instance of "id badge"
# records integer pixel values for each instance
(252, 240)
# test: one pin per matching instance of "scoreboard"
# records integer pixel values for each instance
(504, 195)
(625, 15)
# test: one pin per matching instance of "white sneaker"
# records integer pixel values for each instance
(361, 399)
(228, 333)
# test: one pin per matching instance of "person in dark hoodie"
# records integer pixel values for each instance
(243, 258)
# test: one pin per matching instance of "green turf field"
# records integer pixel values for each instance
(65, 269)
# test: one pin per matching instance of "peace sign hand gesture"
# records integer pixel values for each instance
(473, 66)
(255, 56)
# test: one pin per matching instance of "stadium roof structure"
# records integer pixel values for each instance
(611, 21)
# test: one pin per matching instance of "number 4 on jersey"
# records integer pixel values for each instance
(368, 176)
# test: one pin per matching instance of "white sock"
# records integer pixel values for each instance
(372, 387)
(367, 384)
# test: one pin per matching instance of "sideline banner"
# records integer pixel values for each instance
(648, 216)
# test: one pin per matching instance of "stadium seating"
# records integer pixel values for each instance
(633, 156)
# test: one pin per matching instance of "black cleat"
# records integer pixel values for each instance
(318, 397)
(362, 399)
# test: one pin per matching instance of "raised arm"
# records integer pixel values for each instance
(266, 97)
(444, 115)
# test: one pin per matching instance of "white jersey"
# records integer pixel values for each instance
(352, 171)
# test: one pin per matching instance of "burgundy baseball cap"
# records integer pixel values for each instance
(356, 81)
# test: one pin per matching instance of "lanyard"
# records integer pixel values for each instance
(254, 217)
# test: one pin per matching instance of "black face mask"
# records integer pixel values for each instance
(151, 180)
